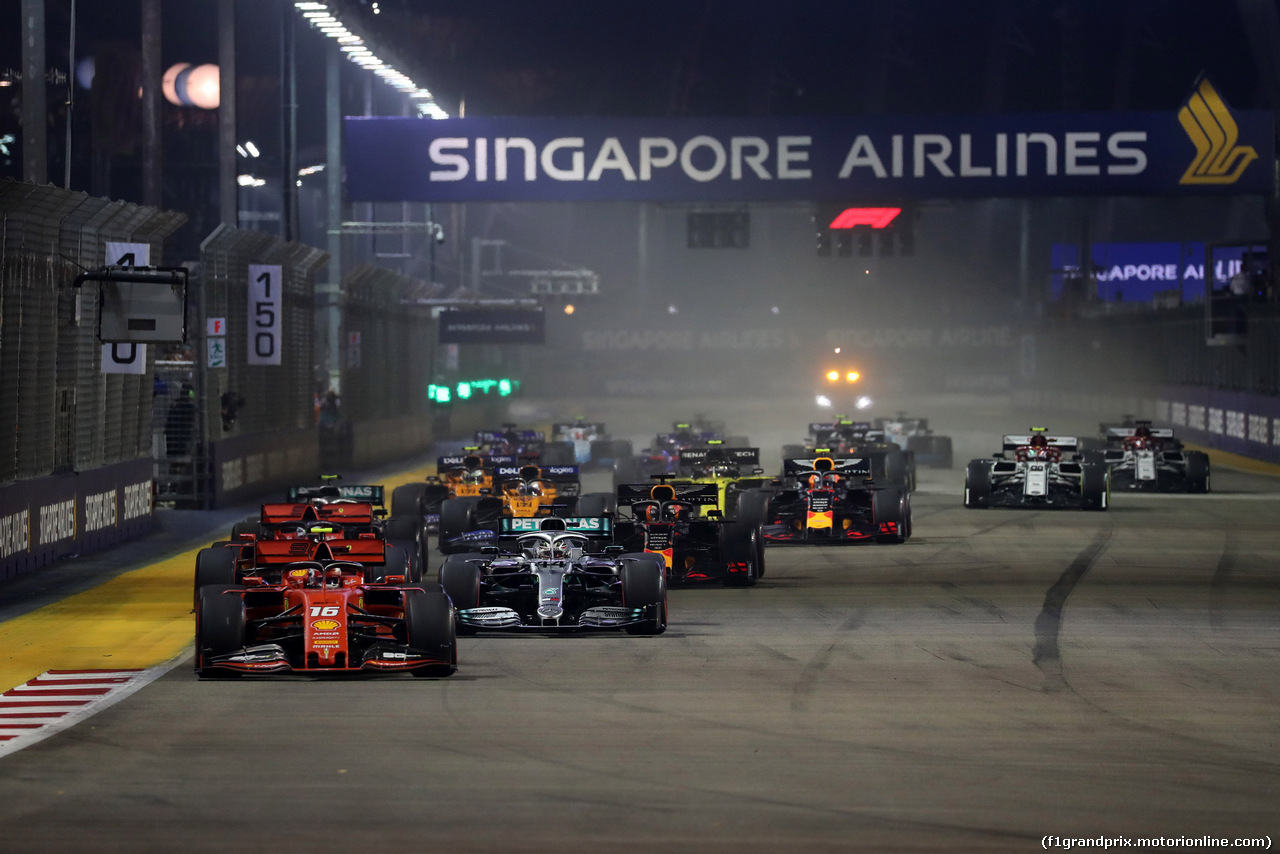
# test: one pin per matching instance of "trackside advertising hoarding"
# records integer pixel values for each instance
(1137, 272)
(1203, 147)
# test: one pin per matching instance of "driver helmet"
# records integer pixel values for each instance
(1039, 441)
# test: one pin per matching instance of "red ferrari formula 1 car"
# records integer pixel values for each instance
(322, 617)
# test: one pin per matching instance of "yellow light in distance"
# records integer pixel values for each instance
(568, 309)
(852, 376)
(833, 376)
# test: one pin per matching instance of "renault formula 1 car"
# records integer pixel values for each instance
(322, 617)
(663, 521)
(830, 500)
(1039, 471)
(546, 580)
(1145, 458)
(732, 470)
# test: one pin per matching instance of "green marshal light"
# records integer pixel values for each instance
(464, 391)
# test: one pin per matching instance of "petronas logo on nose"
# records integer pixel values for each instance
(1206, 119)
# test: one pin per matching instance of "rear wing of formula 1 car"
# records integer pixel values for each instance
(566, 478)
(591, 526)
(357, 513)
(690, 457)
(1122, 433)
(452, 462)
(843, 466)
(1066, 444)
(585, 429)
(490, 437)
(367, 493)
(699, 494)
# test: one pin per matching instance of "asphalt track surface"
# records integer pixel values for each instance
(1004, 676)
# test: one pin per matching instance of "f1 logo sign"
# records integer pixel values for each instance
(874, 217)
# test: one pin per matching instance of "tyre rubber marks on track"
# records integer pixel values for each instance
(58, 699)
(1045, 654)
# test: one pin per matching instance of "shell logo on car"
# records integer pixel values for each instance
(325, 625)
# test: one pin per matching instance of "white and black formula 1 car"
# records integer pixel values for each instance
(1039, 471)
(547, 581)
(1145, 458)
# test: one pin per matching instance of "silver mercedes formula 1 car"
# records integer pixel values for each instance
(541, 577)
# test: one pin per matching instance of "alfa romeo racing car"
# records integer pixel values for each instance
(549, 581)
(322, 617)
(1039, 471)
(1145, 458)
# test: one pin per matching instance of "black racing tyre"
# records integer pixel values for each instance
(245, 527)
(215, 566)
(406, 500)
(402, 528)
(890, 506)
(456, 518)
(460, 580)
(1095, 485)
(220, 626)
(897, 471)
(429, 627)
(977, 484)
(740, 543)
(626, 470)
(254, 517)
(753, 506)
(644, 585)
(1197, 471)
(597, 504)
(942, 450)
(396, 562)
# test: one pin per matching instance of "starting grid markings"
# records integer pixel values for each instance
(58, 699)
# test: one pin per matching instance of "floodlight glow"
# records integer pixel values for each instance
(852, 376)
(833, 376)
(823, 401)
(863, 402)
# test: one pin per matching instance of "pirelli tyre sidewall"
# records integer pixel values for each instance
(977, 484)
(429, 628)
(456, 518)
(1095, 485)
(644, 585)
(1197, 471)
(753, 506)
(406, 500)
(220, 625)
(215, 566)
(890, 505)
(739, 543)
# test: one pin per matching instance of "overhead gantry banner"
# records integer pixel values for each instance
(1203, 147)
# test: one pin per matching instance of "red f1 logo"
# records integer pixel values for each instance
(874, 217)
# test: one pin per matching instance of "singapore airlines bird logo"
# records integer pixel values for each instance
(1206, 119)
